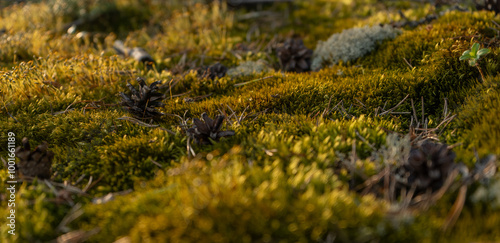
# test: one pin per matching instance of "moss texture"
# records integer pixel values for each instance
(278, 178)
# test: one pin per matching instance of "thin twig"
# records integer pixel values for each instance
(241, 116)
(393, 108)
(411, 67)
(5, 106)
(423, 111)
(136, 121)
(251, 81)
(456, 209)
(232, 114)
(178, 95)
(364, 140)
(75, 212)
(190, 148)
(364, 106)
(89, 186)
(156, 163)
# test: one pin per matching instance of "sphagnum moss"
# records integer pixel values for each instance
(282, 177)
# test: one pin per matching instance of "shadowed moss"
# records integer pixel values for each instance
(279, 178)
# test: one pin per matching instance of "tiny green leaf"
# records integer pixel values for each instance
(465, 56)
(483, 52)
(474, 49)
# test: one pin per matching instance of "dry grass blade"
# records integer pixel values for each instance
(178, 95)
(77, 236)
(141, 123)
(361, 103)
(75, 212)
(79, 179)
(364, 140)
(242, 117)
(190, 150)
(232, 114)
(371, 182)
(184, 121)
(78, 102)
(11, 116)
(66, 186)
(425, 200)
(415, 113)
(340, 107)
(251, 81)
(445, 108)
(456, 209)
(156, 163)
(445, 122)
(408, 196)
(408, 63)
(257, 114)
(393, 108)
(91, 184)
(423, 111)
(47, 182)
(136, 121)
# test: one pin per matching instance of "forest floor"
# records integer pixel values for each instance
(372, 129)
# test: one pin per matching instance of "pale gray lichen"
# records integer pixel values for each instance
(350, 44)
(489, 194)
(397, 149)
(249, 68)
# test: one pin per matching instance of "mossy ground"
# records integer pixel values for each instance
(275, 180)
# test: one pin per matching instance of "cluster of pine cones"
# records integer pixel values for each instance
(142, 103)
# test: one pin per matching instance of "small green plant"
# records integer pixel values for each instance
(473, 55)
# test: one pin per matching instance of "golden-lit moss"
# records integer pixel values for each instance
(278, 178)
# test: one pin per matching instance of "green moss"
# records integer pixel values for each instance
(280, 178)
(478, 119)
(250, 200)
(37, 214)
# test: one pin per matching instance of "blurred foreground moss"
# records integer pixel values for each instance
(280, 178)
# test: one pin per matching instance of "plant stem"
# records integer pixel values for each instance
(481, 72)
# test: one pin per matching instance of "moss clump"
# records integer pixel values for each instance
(282, 176)
(350, 45)
(38, 213)
(232, 202)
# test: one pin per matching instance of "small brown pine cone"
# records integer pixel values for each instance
(428, 166)
(142, 103)
(294, 56)
(35, 163)
(209, 128)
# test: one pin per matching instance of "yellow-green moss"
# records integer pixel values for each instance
(277, 178)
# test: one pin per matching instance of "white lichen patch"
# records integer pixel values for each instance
(249, 68)
(350, 44)
(488, 194)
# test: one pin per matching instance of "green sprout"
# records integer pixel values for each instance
(473, 55)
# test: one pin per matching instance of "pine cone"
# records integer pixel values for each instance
(294, 56)
(215, 71)
(427, 167)
(208, 129)
(142, 103)
(35, 163)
